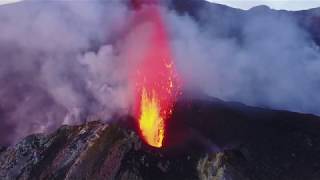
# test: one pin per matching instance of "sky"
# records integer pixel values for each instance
(274, 4)
(8, 1)
(247, 4)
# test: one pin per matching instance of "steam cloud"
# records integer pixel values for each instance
(58, 64)
(63, 62)
(271, 61)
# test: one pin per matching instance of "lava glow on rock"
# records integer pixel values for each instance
(155, 79)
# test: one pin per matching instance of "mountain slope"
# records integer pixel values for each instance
(231, 21)
(206, 139)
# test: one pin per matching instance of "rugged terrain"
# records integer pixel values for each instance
(206, 140)
(100, 151)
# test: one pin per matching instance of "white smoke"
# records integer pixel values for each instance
(269, 61)
(58, 64)
(65, 61)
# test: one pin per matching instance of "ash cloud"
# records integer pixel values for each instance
(58, 64)
(66, 62)
(261, 58)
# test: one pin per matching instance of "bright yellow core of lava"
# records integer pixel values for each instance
(151, 123)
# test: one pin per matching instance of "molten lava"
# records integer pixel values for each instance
(155, 80)
(150, 122)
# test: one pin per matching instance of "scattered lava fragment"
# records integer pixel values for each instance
(155, 79)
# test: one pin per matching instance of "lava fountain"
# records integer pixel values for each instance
(156, 82)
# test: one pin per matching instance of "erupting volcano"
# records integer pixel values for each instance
(156, 82)
(92, 89)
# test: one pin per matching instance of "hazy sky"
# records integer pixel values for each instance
(8, 1)
(247, 4)
(275, 4)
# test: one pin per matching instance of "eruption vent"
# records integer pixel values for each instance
(155, 81)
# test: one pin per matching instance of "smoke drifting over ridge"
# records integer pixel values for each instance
(268, 60)
(63, 62)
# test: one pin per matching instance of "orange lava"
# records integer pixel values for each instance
(155, 81)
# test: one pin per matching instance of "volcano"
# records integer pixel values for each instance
(169, 135)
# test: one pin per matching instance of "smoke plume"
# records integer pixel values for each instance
(263, 58)
(59, 64)
(66, 62)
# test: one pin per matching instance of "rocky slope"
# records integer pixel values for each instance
(100, 151)
(205, 140)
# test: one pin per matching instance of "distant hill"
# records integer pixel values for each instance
(232, 19)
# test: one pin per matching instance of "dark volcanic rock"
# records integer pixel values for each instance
(2, 149)
(257, 143)
(94, 151)
(220, 141)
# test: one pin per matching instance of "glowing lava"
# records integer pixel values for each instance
(150, 122)
(155, 80)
